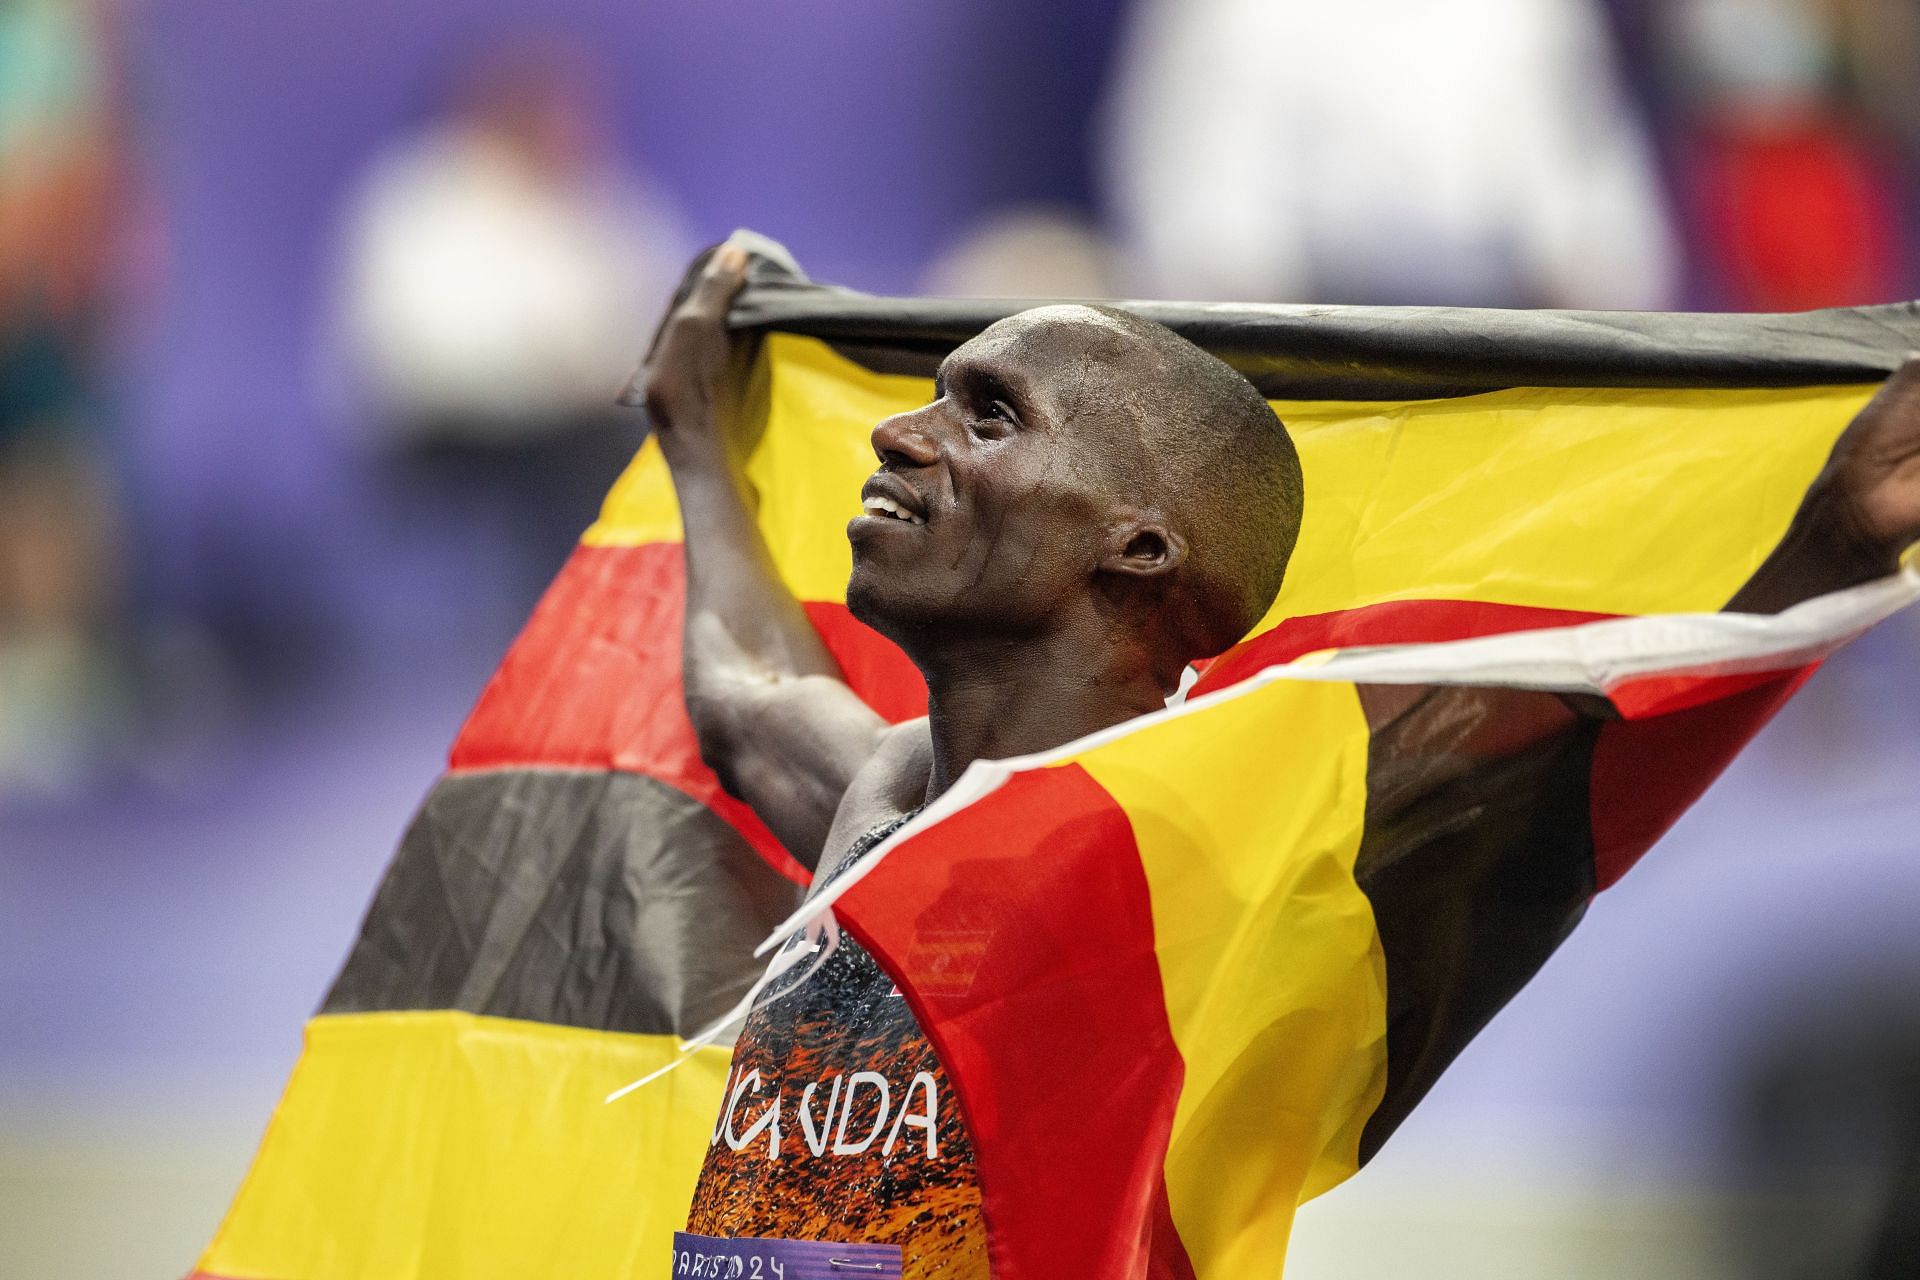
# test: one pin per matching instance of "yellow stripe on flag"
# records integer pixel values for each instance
(1606, 501)
(1274, 979)
(444, 1146)
(1602, 500)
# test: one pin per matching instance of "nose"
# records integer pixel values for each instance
(903, 441)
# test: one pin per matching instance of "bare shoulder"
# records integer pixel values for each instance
(892, 782)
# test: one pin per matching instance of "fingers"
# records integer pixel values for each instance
(720, 281)
(1903, 384)
(1893, 412)
(1871, 484)
(1890, 424)
(693, 335)
(1899, 395)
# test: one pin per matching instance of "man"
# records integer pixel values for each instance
(1089, 505)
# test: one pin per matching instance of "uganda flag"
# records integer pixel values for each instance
(1183, 974)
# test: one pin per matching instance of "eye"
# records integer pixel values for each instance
(996, 420)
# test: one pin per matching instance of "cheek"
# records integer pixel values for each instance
(1043, 543)
(999, 570)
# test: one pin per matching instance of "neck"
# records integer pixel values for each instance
(991, 698)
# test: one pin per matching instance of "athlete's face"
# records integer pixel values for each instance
(995, 504)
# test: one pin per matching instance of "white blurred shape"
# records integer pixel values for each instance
(500, 273)
(1479, 151)
(1032, 251)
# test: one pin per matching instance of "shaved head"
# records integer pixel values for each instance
(1221, 464)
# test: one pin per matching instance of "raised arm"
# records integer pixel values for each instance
(775, 720)
(1859, 514)
(1477, 855)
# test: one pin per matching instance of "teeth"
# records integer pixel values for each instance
(877, 505)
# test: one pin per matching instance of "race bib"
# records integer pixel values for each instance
(711, 1258)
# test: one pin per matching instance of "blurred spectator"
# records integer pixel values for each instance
(1393, 151)
(1830, 1124)
(1881, 39)
(501, 269)
(1028, 251)
(59, 563)
(1794, 202)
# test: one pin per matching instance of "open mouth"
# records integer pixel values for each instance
(886, 496)
(878, 505)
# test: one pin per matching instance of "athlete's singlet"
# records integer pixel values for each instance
(837, 1124)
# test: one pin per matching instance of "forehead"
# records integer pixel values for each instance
(1053, 351)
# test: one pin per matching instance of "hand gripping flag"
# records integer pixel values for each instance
(1183, 974)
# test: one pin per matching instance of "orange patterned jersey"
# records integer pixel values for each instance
(838, 1124)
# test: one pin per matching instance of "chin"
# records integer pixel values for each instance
(870, 602)
(896, 610)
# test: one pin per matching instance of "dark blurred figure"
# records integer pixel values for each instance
(500, 268)
(61, 182)
(1831, 1131)
(1794, 192)
(1881, 42)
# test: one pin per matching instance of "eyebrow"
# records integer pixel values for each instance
(985, 383)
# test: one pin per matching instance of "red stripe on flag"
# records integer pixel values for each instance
(1651, 696)
(1394, 622)
(1021, 932)
(1167, 1257)
(593, 682)
(1647, 772)
(875, 666)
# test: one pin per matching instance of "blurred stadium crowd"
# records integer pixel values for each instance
(311, 316)
(484, 231)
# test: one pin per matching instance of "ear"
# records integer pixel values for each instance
(1143, 548)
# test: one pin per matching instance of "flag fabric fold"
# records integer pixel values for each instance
(1183, 975)
(1240, 990)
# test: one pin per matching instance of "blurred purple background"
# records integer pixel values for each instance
(867, 142)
